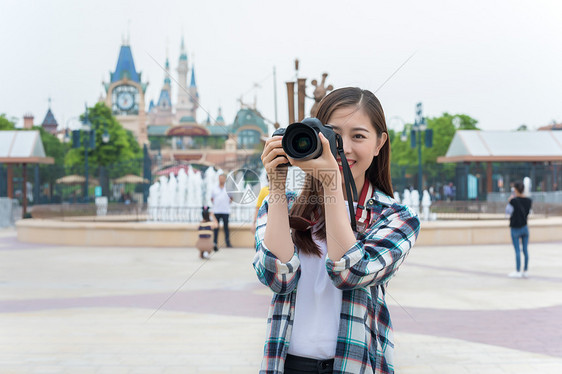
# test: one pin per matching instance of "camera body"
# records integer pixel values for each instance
(301, 140)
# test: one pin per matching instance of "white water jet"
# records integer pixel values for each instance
(415, 201)
(426, 203)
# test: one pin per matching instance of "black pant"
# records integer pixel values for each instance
(224, 218)
(304, 365)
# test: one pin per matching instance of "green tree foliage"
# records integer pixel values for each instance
(6, 124)
(444, 128)
(121, 148)
(56, 149)
(53, 146)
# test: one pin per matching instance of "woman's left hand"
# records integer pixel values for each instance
(324, 168)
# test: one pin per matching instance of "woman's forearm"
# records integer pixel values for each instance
(339, 235)
(277, 232)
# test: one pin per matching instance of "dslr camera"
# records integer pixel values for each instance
(302, 142)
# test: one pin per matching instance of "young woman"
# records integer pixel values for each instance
(328, 313)
(520, 208)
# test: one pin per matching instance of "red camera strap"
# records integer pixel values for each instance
(363, 215)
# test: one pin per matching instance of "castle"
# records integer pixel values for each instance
(171, 128)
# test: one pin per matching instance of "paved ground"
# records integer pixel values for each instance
(163, 310)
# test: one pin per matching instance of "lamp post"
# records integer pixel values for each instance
(89, 142)
(419, 127)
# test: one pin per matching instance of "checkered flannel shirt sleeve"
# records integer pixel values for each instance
(280, 277)
(374, 259)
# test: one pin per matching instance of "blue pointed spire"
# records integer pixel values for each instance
(193, 84)
(183, 53)
(125, 66)
(167, 78)
(219, 116)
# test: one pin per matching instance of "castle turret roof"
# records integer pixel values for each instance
(49, 119)
(125, 66)
(183, 53)
(193, 84)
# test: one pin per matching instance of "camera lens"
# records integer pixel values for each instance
(301, 142)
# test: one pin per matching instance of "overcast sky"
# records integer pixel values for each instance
(497, 61)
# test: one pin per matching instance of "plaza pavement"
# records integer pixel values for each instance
(163, 310)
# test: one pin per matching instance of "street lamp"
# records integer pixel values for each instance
(420, 125)
(89, 142)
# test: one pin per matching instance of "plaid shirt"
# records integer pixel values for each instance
(365, 340)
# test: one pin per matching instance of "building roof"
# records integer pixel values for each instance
(165, 100)
(218, 130)
(157, 130)
(187, 130)
(502, 146)
(187, 119)
(249, 117)
(553, 126)
(49, 119)
(125, 66)
(19, 147)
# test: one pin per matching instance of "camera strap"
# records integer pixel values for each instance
(348, 181)
(363, 215)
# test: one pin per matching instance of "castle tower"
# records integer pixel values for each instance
(194, 94)
(161, 113)
(220, 120)
(125, 94)
(50, 124)
(183, 105)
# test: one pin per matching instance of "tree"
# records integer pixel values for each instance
(122, 145)
(52, 145)
(444, 128)
(6, 124)
(56, 149)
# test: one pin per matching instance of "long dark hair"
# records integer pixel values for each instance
(205, 214)
(378, 173)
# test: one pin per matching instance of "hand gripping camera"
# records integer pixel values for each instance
(302, 142)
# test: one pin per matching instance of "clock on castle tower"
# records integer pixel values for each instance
(125, 95)
(125, 100)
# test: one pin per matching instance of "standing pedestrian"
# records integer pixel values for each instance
(221, 210)
(519, 230)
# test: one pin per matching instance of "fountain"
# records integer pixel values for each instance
(426, 203)
(415, 201)
(406, 198)
(179, 199)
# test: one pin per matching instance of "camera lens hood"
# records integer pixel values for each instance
(301, 140)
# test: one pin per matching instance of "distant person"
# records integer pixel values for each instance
(519, 230)
(204, 241)
(221, 210)
(448, 191)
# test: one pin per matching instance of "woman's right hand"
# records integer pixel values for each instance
(272, 156)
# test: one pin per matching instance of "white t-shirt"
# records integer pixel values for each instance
(221, 200)
(317, 308)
